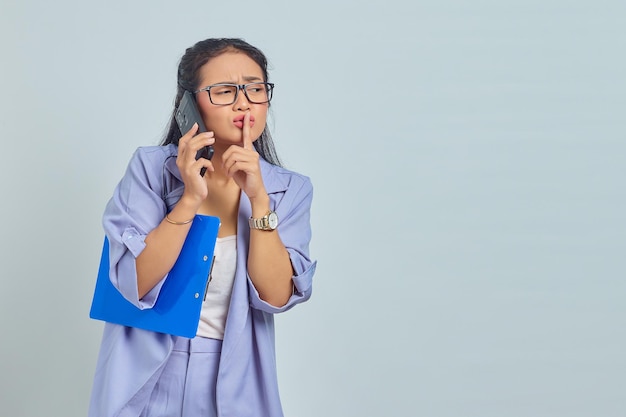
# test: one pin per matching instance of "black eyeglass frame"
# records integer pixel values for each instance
(240, 87)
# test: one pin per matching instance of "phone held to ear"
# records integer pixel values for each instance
(186, 115)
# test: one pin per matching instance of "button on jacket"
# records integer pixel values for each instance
(131, 360)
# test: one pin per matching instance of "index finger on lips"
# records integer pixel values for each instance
(247, 141)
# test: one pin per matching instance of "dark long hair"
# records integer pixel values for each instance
(188, 79)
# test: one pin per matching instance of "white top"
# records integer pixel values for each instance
(215, 305)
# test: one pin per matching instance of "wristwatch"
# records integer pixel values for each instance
(267, 222)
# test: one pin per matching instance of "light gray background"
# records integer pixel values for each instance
(468, 159)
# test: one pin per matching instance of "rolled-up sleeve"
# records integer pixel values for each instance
(135, 208)
(294, 213)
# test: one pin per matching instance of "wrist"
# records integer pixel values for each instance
(185, 209)
(189, 201)
(260, 205)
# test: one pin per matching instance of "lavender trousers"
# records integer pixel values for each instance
(186, 387)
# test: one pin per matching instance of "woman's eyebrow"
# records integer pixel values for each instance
(250, 78)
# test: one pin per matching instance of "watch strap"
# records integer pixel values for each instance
(263, 223)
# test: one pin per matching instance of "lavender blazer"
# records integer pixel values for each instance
(131, 360)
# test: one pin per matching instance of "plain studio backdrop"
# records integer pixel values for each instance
(468, 159)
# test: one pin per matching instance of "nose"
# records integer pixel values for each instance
(241, 102)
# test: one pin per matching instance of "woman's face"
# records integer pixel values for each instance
(225, 121)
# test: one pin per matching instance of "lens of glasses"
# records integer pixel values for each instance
(257, 93)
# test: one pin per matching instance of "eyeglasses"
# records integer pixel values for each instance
(224, 94)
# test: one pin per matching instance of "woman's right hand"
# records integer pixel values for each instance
(195, 185)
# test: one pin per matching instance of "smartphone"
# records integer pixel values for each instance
(186, 115)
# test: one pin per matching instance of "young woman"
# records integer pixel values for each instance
(262, 264)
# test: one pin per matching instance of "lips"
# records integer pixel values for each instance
(238, 121)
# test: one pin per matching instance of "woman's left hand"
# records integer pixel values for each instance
(242, 164)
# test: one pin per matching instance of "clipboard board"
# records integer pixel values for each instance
(178, 306)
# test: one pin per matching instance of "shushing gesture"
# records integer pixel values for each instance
(242, 164)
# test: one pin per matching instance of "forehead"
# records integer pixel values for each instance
(235, 67)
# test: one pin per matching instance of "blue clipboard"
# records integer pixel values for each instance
(177, 309)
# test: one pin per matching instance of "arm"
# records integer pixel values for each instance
(163, 245)
(293, 208)
(143, 246)
(269, 265)
(164, 242)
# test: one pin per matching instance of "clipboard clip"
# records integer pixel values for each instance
(208, 281)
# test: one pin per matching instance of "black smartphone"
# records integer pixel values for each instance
(186, 115)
